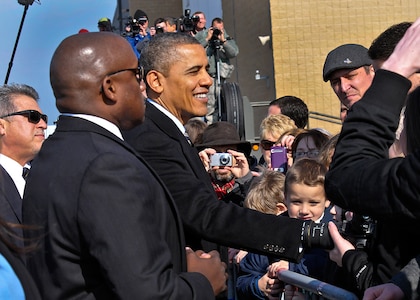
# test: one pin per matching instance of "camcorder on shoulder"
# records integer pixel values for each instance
(133, 26)
(187, 23)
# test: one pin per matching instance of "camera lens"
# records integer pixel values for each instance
(224, 160)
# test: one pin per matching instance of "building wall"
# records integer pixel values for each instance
(304, 33)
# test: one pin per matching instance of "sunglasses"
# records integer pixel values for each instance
(33, 116)
(139, 72)
(266, 144)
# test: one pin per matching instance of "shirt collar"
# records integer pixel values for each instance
(14, 169)
(100, 122)
(168, 114)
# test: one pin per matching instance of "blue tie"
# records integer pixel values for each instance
(187, 137)
(25, 172)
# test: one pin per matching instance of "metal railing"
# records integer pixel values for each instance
(317, 289)
(324, 117)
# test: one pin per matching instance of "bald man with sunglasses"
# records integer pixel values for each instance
(109, 227)
(22, 133)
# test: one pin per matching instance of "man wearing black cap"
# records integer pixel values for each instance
(350, 72)
(224, 155)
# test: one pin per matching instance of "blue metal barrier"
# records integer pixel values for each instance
(316, 287)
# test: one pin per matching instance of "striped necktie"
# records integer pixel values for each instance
(25, 172)
(187, 137)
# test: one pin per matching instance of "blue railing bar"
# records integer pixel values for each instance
(327, 291)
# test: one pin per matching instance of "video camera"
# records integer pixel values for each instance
(134, 26)
(187, 23)
(360, 231)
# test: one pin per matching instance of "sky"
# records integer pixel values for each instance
(46, 24)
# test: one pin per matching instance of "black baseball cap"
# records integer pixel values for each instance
(347, 56)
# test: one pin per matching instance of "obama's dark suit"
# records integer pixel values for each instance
(165, 148)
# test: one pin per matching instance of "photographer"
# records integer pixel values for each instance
(220, 48)
(230, 174)
(137, 31)
(167, 24)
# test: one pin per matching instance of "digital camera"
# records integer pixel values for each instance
(279, 159)
(221, 160)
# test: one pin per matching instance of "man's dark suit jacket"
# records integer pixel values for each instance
(111, 229)
(11, 204)
(165, 148)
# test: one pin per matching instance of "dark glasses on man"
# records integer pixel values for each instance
(266, 144)
(139, 72)
(33, 116)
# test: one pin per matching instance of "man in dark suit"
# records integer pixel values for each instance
(22, 126)
(177, 85)
(109, 227)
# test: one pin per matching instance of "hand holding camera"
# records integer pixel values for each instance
(221, 160)
(233, 160)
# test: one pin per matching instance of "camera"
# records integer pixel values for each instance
(360, 231)
(216, 33)
(159, 30)
(134, 26)
(279, 159)
(221, 160)
(187, 23)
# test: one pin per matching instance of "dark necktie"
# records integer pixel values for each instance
(25, 172)
(188, 138)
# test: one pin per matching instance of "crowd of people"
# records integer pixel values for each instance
(141, 192)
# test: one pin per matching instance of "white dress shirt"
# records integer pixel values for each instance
(15, 171)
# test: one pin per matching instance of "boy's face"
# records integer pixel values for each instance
(306, 202)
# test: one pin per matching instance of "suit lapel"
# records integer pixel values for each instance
(168, 127)
(11, 194)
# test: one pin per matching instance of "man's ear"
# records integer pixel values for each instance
(108, 89)
(154, 81)
(2, 127)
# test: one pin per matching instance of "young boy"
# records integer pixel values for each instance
(305, 198)
(266, 194)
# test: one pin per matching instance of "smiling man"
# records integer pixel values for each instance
(177, 84)
(350, 72)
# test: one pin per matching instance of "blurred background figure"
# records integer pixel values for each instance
(291, 106)
(104, 24)
(194, 128)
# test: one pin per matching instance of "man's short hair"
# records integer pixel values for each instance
(383, 46)
(164, 46)
(294, 108)
(347, 56)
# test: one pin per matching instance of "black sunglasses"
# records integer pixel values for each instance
(139, 72)
(33, 116)
(266, 144)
